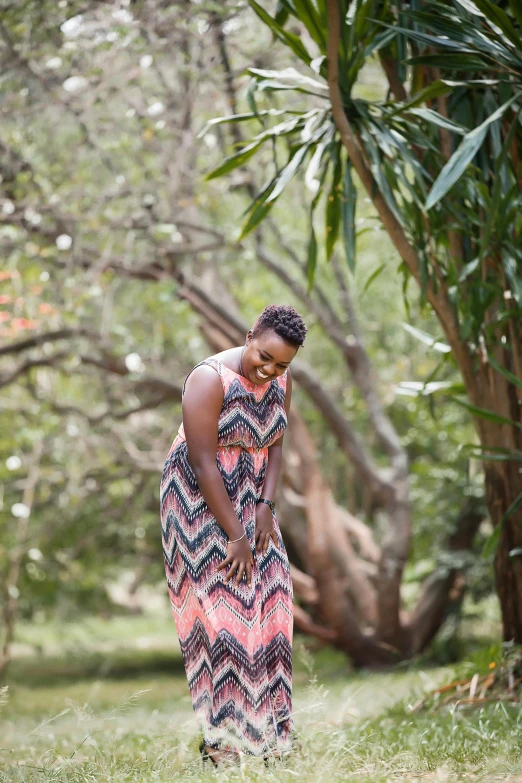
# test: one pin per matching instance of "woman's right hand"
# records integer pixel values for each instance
(239, 558)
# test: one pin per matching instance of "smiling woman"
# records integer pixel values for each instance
(227, 569)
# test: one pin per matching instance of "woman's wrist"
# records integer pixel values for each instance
(268, 503)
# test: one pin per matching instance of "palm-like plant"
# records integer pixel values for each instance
(439, 157)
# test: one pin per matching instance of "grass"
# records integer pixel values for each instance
(108, 701)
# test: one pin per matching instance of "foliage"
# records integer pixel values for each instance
(469, 115)
(101, 186)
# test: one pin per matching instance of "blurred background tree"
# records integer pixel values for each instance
(123, 270)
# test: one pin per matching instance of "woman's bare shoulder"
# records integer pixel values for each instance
(204, 379)
(229, 357)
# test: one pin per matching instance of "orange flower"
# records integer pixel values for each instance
(23, 323)
(4, 316)
(45, 307)
(5, 275)
(5, 298)
(492, 665)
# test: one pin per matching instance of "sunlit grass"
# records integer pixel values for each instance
(138, 726)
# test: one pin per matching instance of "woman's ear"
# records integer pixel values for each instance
(249, 337)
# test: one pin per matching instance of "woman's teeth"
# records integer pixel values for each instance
(261, 375)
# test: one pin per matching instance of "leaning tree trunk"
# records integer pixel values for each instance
(504, 479)
(503, 486)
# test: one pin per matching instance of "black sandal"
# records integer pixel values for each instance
(205, 755)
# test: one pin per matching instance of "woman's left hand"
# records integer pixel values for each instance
(264, 528)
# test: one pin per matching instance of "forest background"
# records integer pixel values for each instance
(124, 267)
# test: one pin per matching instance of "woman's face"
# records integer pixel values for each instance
(266, 356)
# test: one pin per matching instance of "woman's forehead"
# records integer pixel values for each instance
(276, 346)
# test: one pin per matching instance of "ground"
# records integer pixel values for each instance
(108, 701)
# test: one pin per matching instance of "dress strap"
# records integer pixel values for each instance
(212, 363)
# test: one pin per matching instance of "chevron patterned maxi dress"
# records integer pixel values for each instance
(236, 641)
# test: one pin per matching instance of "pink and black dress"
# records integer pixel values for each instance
(236, 641)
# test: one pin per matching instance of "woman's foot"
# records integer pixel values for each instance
(218, 756)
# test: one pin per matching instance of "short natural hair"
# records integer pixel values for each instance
(285, 322)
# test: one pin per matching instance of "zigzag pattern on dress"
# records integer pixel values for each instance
(236, 641)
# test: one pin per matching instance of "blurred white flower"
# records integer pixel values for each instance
(44, 276)
(13, 463)
(72, 429)
(210, 140)
(20, 510)
(75, 84)
(8, 207)
(34, 554)
(155, 109)
(122, 16)
(130, 112)
(54, 62)
(72, 26)
(146, 61)
(32, 216)
(133, 362)
(63, 242)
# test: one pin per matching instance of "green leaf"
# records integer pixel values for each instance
(288, 172)
(485, 414)
(373, 276)
(467, 150)
(498, 17)
(437, 119)
(311, 259)
(348, 216)
(289, 39)
(426, 338)
(505, 372)
(516, 9)
(233, 161)
(419, 388)
(458, 62)
(305, 11)
(333, 204)
(496, 196)
(257, 214)
(242, 118)
(491, 543)
(491, 453)
(493, 540)
(288, 75)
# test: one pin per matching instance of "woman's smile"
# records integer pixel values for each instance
(262, 375)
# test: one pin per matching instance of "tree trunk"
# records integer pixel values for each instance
(503, 486)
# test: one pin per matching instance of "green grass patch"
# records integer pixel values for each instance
(83, 717)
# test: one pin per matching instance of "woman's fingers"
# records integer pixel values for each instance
(231, 571)
(240, 572)
(224, 563)
(275, 538)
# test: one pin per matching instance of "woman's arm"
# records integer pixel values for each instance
(264, 527)
(201, 407)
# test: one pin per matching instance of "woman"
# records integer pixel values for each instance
(227, 569)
